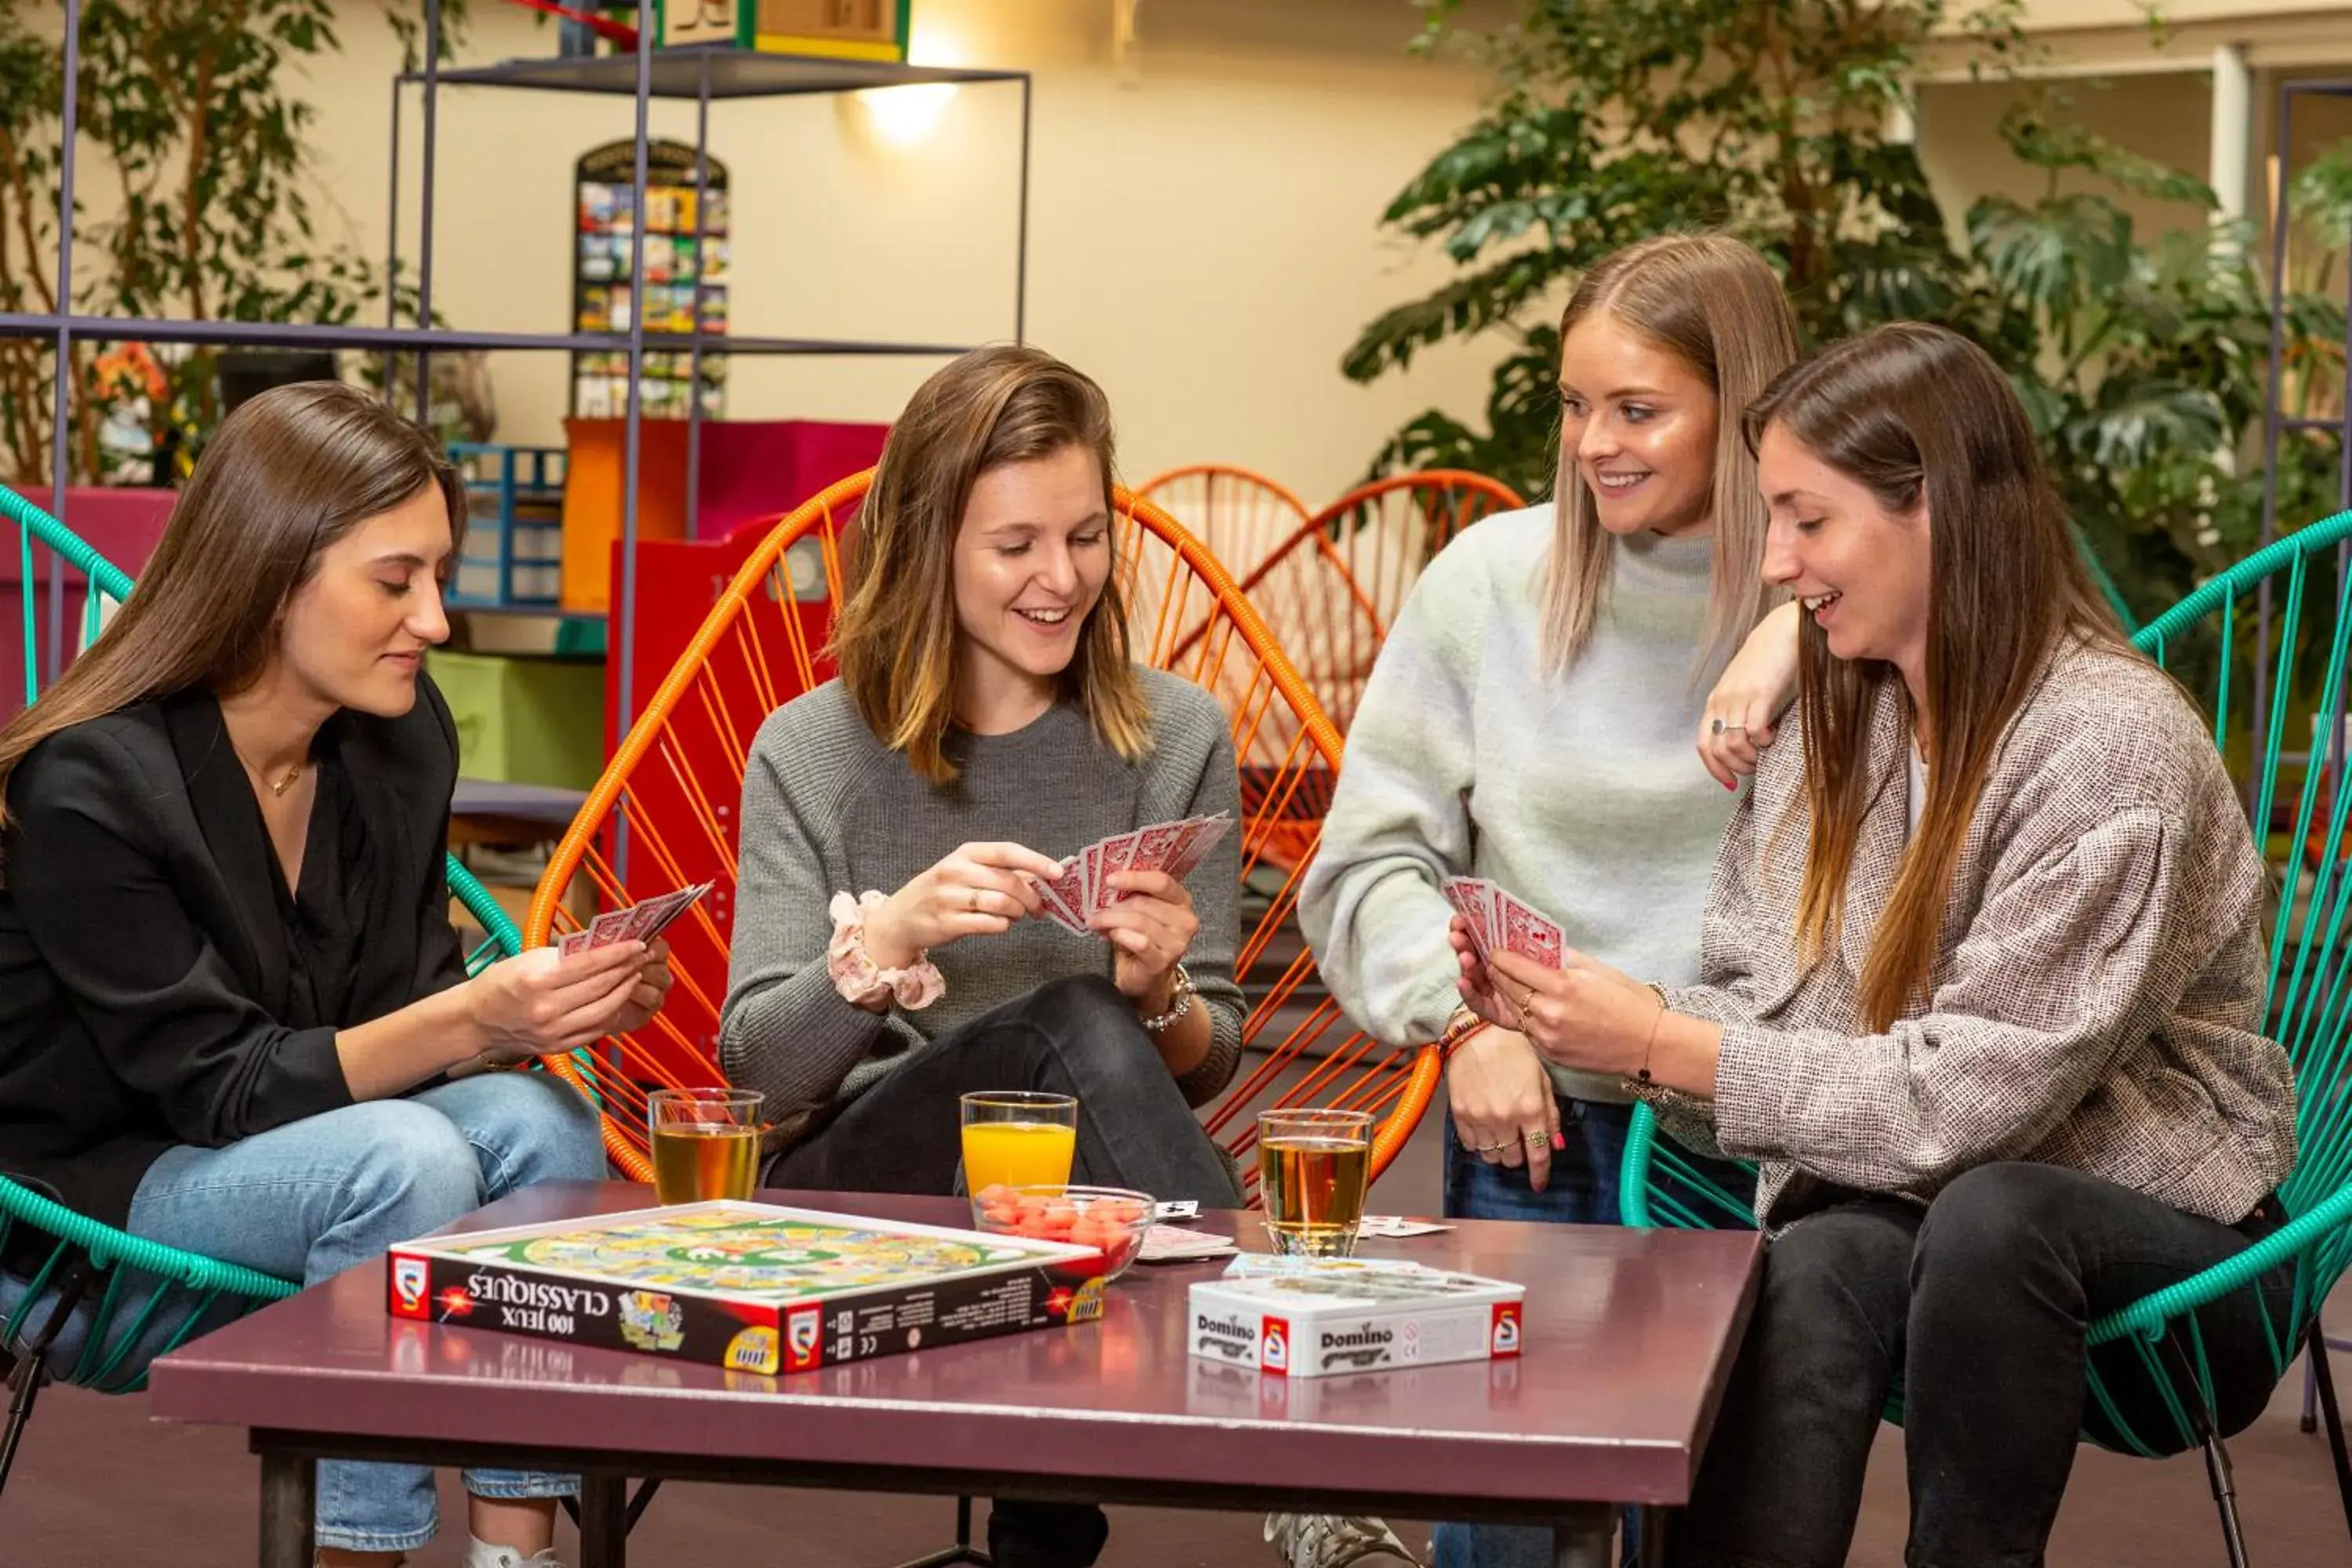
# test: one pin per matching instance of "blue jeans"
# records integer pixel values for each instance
(317, 1196)
(1582, 1191)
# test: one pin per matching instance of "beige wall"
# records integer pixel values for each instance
(1203, 233)
(2164, 117)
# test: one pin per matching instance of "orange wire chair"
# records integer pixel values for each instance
(1331, 591)
(666, 803)
(1241, 516)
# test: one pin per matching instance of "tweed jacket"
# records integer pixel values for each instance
(2098, 989)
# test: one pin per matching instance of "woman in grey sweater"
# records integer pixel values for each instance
(889, 955)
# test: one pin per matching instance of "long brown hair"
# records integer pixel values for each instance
(896, 636)
(291, 472)
(1911, 413)
(1714, 303)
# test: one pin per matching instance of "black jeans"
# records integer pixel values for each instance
(1077, 1036)
(1978, 1304)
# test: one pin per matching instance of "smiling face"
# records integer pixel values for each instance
(1031, 554)
(1861, 571)
(1640, 427)
(354, 635)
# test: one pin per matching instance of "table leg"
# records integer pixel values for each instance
(1653, 1525)
(1585, 1542)
(603, 1521)
(289, 1501)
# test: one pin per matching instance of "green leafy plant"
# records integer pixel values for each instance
(186, 109)
(2143, 361)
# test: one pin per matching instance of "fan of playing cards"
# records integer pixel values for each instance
(1082, 890)
(1499, 922)
(638, 922)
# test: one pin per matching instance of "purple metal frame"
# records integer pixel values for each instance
(701, 74)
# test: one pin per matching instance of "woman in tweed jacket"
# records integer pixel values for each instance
(1981, 987)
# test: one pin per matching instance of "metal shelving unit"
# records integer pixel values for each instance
(703, 75)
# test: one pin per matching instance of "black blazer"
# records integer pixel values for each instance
(143, 964)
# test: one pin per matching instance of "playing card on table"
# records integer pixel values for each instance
(1175, 1244)
(1522, 930)
(1392, 1224)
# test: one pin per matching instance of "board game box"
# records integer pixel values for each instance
(1300, 1317)
(749, 1287)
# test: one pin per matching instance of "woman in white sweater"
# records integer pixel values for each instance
(1529, 722)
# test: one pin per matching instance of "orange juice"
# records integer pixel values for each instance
(1017, 1154)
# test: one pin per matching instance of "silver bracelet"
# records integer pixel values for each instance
(1180, 1002)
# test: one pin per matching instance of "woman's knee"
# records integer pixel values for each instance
(1851, 1261)
(525, 1128)
(1094, 1027)
(1987, 1221)
(411, 1166)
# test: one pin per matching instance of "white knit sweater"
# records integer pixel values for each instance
(1580, 792)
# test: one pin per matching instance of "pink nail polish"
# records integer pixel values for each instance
(1731, 783)
(1560, 1141)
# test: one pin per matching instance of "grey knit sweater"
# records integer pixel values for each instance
(828, 809)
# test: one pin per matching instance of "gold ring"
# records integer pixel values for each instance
(975, 900)
(1528, 1003)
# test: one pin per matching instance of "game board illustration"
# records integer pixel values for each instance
(770, 1256)
(750, 1287)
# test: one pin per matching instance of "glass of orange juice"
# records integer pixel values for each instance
(1015, 1138)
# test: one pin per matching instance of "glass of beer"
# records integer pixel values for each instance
(1013, 1138)
(1312, 1169)
(706, 1143)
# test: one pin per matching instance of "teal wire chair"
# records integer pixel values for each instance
(2294, 597)
(93, 1305)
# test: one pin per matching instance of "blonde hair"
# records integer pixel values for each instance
(897, 640)
(1714, 303)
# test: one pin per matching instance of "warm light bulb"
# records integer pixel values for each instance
(902, 116)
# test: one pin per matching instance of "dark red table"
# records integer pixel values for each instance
(1629, 1335)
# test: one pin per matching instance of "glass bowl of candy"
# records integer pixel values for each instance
(1110, 1219)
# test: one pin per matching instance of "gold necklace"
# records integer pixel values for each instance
(282, 785)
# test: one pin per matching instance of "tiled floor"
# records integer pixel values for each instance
(99, 1483)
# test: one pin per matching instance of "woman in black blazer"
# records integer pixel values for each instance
(234, 1015)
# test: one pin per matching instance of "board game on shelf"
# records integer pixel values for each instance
(677, 262)
(748, 1287)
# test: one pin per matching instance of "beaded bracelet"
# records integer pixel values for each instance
(1180, 1002)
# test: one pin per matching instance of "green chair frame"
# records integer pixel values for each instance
(2308, 1000)
(133, 1287)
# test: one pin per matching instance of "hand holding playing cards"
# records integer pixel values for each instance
(1504, 1109)
(653, 985)
(543, 1002)
(1150, 930)
(1583, 1014)
(978, 889)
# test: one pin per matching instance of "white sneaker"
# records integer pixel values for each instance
(1334, 1540)
(481, 1554)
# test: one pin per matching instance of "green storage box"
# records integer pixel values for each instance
(524, 720)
